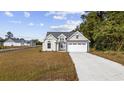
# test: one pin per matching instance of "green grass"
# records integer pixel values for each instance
(31, 64)
(112, 55)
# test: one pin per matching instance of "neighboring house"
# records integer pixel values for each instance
(33, 43)
(13, 42)
(1, 41)
(17, 42)
(27, 43)
(66, 41)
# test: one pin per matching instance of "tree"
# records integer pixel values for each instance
(90, 23)
(9, 35)
(37, 42)
(105, 30)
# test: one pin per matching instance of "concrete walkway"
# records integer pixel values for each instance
(91, 67)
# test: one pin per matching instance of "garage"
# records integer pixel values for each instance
(77, 47)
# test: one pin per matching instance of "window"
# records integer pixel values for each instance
(48, 45)
(70, 43)
(83, 43)
(74, 43)
(77, 36)
(61, 39)
(79, 43)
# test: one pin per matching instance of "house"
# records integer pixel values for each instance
(1, 41)
(13, 42)
(33, 43)
(66, 41)
(17, 42)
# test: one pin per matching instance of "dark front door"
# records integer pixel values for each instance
(62, 46)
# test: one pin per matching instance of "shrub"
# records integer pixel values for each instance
(2, 47)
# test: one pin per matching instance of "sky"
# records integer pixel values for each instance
(35, 24)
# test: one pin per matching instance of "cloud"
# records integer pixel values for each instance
(15, 22)
(63, 12)
(68, 26)
(62, 15)
(9, 14)
(59, 17)
(31, 24)
(41, 24)
(27, 14)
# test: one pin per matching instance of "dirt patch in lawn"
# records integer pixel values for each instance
(112, 55)
(33, 64)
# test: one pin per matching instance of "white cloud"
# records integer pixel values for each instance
(27, 14)
(69, 26)
(59, 17)
(62, 15)
(15, 22)
(31, 24)
(72, 22)
(9, 14)
(63, 12)
(41, 24)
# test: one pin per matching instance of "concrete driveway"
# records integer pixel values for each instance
(91, 67)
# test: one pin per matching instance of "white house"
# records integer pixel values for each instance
(16, 42)
(66, 41)
(12, 42)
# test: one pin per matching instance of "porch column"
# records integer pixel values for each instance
(66, 46)
(57, 46)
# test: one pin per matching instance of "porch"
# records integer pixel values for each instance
(61, 46)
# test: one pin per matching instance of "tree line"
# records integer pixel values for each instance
(10, 35)
(104, 29)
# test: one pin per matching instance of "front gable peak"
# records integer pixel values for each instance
(50, 37)
(61, 35)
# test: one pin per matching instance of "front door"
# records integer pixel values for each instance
(62, 46)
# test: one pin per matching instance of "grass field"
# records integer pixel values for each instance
(112, 55)
(31, 64)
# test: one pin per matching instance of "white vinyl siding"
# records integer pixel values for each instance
(50, 39)
(11, 44)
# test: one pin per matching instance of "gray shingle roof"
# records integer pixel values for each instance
(56, 34)
(67, 34)
(16, 40)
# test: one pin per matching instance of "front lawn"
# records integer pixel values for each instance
(112, 55)
(31, 64)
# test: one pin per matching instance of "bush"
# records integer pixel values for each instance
(2, 47)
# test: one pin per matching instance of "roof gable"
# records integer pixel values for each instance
(50, 36)
(61, 35)
(82, 37)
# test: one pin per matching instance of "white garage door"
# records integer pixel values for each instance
(77, 47)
